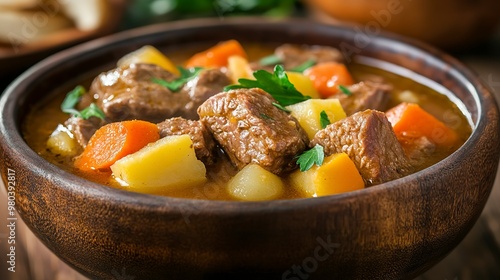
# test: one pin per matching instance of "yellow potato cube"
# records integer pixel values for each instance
(238, 68)
(308, 113)
(151, 55)
(169, 163)
(254, 183)
(337, 174)
(303, 84)
(62, 142)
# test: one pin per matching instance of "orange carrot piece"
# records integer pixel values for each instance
(328, 76)
(217, 55)
(114, 141)
(409, 120)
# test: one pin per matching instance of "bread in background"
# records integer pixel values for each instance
(86, 14)
(20, 27)
(31, 24)
(18, 4)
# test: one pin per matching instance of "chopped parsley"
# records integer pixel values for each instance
(270, 60)
(176, 85)
(276, 84)
(323, 119)
(306, 160)
(345, 90)
(265, 117)
(92, 111)
(279, 106)
(72, 99)
(301, 68)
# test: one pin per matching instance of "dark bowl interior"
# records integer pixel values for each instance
(394, 230)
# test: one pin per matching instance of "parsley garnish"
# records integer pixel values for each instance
(345, 90)
(176, 85)
(323, 119)
(276, 84)
(270, 60)
(301, 68)
(277, 105)
(92, 111)
(265, 117)
(72, 99)
(313, 156)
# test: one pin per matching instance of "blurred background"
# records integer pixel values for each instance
(31, 30)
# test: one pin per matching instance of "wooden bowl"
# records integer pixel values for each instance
(450, 24)
(394, 230)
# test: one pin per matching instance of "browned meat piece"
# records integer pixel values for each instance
(292, 56)
(418, 149)
(83, 129)
(365, 95)
(251, 129)
(203, 141)
(207, 84)
(130, 93)
(367, 137)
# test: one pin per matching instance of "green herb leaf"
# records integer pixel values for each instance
(306, 160)
(277, 105)
(301, 68)
(176, 85)
(92, 111)
(270, 60)
(276, 84)
(265, 117)
(323, 119)
(345, 90)
(71, 99)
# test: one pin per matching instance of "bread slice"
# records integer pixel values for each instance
(87, 14)
(28, 26)
(18, 4)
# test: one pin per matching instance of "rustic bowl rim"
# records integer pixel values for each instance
(12, 135)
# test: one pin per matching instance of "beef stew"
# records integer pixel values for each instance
(231, 129)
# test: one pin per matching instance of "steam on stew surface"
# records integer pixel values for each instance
(246, 123)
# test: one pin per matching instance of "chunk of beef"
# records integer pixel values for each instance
(203, 141)
(83, 129)
(367, 137)
(131, 93)
(292, 56)
(208, 83)
(417, 149)
(251, 129)
(365, 95)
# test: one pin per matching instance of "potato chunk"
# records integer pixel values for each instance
(62, 142)
(303, 84)
(308, 113)
(254, 183)
(238, 68)
(150, 55)
(169, 163)
(336, 175)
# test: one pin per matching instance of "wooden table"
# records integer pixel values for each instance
(476, 257)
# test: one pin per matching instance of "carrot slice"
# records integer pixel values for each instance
(114, 141)
(217, 56)
(410, 120)
(328, 76)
